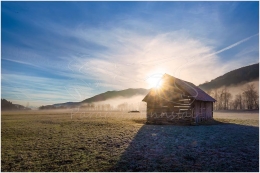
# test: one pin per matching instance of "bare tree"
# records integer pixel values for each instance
(238, 102)
(228, 98)
(224, 98)
(248, 99)
(122, 106)
(214, 94)
(251, 97)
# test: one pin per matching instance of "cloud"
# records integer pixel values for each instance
(129, 57)
(235, 44)
(21, 62)
(36, 89)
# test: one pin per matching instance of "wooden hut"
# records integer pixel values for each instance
(177, 100)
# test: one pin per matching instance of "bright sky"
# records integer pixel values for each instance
(54, 52)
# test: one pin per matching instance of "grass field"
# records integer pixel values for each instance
(115, 141)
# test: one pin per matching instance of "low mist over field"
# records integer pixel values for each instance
(238, 89)
(132, 103)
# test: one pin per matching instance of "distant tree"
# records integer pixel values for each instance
(237, 104)
(216, 96)
(41, 107)
(122, 106)
(223, 97)
(227, 98)
(251, 97)
(214, 93)
(220, 103)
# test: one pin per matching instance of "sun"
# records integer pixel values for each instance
(158, 84)
(154, 81)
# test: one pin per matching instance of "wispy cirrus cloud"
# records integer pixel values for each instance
(130, 57)
(36, 89)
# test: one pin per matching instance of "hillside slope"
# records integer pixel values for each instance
(113, 94)
(127, 93)
(234, 77)
(7, 105)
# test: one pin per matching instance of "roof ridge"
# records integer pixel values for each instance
(191, 88)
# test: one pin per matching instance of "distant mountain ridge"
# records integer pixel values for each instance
(127, 93)
(241, 75)
(234, 77)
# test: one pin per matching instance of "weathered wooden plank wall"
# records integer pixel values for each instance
(172, 112)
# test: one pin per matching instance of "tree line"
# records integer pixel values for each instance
(248, 98)
(7, 105)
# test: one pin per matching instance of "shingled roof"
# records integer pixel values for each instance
(190, 88)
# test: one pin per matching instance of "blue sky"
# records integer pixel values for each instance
(55, 52)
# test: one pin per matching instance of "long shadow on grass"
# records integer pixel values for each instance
(219, 147)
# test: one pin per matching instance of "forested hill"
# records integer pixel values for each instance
(234, 77)
(127, 93)
(7, 105)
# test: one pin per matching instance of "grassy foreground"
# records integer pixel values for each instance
(113, 141)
